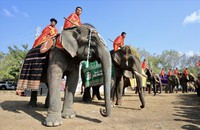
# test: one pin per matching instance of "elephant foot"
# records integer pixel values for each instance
(87, 100)
(112, 104)
(32, 104)
(94, 97)
(69, 113)
(119, 102)
(46, 105)
(97, 97)
(53, 120)
(100, 98)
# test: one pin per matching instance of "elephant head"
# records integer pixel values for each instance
(127, 58)
(84, 43)
(175, 80)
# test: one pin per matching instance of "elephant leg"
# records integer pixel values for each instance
(136, 90)
(170, 88)
(87, 96)
(198, 91)
(33, 100)
(54, 111)
(186, 88)
(154, 89)
(72, 81)
(182, 88)
(119, 91)
(46, 105)
(123, 92)
(150, 88)
(96, 93)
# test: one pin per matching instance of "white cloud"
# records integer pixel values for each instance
(14, 12)
(192, 53)
(7, 13)
(192, 18)
(25, 14)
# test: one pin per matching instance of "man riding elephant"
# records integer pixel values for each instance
(73, 19)
(119, 41)
(78, 44)
(49, 32)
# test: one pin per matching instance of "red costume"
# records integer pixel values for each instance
(176, 72)
(169, 73)
(185, 72)
(162, 73)
(74, 18)
(144, 65)
(47, 33)
(198, 63)
(119, 41)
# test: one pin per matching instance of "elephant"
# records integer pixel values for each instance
(197, 82)
(185, 79)
(125, 59)
(154, 81)
(79, 43)
(172, 82)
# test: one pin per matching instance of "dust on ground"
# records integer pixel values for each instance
(162, 112)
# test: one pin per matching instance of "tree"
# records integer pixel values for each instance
(11, 62)
(169, 59)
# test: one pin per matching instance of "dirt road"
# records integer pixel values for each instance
(162, 112)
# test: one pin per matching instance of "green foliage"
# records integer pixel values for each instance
(11, 62)
(171, 59)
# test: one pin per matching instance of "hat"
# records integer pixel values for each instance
(53, 19)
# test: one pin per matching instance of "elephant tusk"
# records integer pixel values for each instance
(140, 75)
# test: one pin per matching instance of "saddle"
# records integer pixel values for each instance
(46, 46)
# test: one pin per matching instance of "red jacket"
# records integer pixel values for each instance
(185, 72)
(47, 33)
(144, 65)
(73, 18)
(162, 72)
(169, 73)
(119, 41)
(176, 72)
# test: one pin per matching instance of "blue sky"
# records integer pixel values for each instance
(154, 25)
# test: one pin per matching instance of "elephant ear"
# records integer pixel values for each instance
(117, 56)
(69, 41)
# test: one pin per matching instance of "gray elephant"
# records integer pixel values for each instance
(172, 82)
(126, 58)
(77, 43)
(154, 80)
(185, 79)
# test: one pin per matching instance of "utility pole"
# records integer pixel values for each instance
(38, 32)
(61, 28)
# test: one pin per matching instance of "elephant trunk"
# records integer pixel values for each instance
(105, 58)
(139, 77)
(140, 91)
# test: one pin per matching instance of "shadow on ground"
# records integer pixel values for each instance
(21, 106)
(188, 112)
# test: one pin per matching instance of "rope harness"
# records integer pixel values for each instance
(127, 54)
(89, 42)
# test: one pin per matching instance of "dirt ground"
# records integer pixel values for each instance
(162, 112)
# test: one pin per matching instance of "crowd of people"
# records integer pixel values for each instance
(171, 72)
